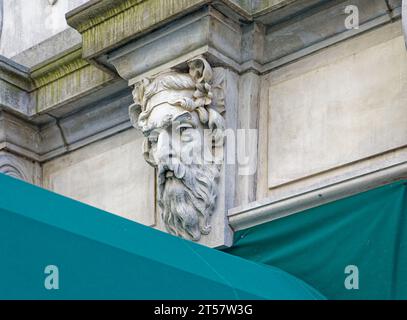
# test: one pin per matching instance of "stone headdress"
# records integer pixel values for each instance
(198, 90)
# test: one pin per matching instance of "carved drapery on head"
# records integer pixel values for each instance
(202, 81)
(179, 113)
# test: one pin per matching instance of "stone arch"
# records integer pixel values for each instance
(12, 170)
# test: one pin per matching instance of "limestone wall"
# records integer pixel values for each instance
(336, 114)
(110, 174)
(31, 22)
(328, 104)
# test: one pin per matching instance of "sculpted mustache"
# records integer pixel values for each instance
(200, 186)
(173, 165)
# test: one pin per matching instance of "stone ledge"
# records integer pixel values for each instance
(41, 100)
(97, 121)
(54, 84)
(312, 30)
(50, 49)
(15, 74)
(203, 29)
(269, 35)
(105, 25)
(100, 119)
(15, 85)
(270, 209)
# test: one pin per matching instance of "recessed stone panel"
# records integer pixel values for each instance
(343, 105)
(110, 174)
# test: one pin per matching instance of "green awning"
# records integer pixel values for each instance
(103, 256)
(368, 230)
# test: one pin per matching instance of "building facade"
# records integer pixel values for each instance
(305, 101)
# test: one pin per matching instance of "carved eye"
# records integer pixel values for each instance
(182, 130)
(185, 132)
(183, 126)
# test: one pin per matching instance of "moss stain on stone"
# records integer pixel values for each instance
(129, 19)
(75, 80)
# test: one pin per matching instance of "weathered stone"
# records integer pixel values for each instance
(102, 174)
(19, 167)
(56, 46)
(14, 87)
(32, 22)
(327, 101)
(190, 202)
(316, 125)
(19, 136)
(199, 33)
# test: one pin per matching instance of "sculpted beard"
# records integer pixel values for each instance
(187, 195)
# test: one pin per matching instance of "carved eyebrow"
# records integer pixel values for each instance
(154, 126)
(185, 125)
(182, 119)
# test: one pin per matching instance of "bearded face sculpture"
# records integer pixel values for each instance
(180, 115)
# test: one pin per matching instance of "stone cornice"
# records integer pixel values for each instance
(51, 84)
(66, 78)
(95, 12)
(71, 81)
(50, 49)
(57, 67)
(106, 24)
(59, 135)
(15, 85)
(206, 30)
(44, 85)
(269, 209)
(15, 74)
(41, 99)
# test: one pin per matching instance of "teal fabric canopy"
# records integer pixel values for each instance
(368, 231)
(103, 256)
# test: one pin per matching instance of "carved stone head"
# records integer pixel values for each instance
(180, 115)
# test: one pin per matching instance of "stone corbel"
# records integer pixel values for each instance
(190, 194)
(204, 32)
(197, 46)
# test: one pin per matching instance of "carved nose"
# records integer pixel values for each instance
(163, 146)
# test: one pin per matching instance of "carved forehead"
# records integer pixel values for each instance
(161, 114)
